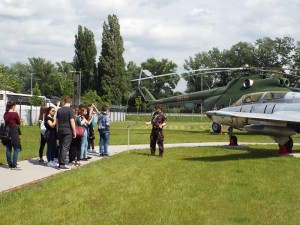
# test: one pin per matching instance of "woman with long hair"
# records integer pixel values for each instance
(51, 135)
(12, 119)
(75, 150)
(82, 121)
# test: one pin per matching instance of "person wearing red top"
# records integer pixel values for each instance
(12, 119)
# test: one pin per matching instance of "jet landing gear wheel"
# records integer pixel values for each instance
(217, 128)
(287, 147)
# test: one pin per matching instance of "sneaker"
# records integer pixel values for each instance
(54, 164)
(89, 150)
(84, 159)
(89, 157)
(17, 167)
(101, 155)
(63, 168)
(41, 161)
(51, 164)
(94, 151)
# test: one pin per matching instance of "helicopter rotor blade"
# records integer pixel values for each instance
(153, 77)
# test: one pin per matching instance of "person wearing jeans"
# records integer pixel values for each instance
(104, 141)
(12, 164)
(13, 121)
(82, 121)
(103, 128)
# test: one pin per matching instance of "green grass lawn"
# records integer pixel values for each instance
(203, 185)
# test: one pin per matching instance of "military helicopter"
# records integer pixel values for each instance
(273, 113)
(220, 97)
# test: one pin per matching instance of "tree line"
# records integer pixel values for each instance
(107, 80)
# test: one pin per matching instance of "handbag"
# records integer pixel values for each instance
(79, 131)
(43, 128)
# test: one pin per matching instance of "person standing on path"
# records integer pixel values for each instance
(50, 135)
(13, 121)
(66, 131)
(103, 128)
(158, 121)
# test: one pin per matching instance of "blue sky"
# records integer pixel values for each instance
(172, 29)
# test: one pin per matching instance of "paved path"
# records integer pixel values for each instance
(31, 170)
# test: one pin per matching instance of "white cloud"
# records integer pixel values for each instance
(173, 29)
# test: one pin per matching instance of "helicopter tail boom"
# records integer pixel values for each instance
(147, 95)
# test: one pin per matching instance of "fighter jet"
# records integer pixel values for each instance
(269, 113)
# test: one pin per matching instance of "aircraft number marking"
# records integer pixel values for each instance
(183, 98)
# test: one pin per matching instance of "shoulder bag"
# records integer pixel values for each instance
(79, 131)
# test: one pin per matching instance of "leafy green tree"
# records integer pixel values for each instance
(162, 86)
(296, 57)
(271, 53)
(22, 70)
(112, 74)
(132, 72)
(239, 55)
(35, 100)
(138, 103)
(10, 81)
(61, 84)
(91, 96)
(85, 57)
(197, 81)
(64, 67)
(41, 70)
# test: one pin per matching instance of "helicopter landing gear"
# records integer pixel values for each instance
(287, 147)
(216, 127)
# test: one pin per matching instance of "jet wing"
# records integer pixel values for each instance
(280, 116)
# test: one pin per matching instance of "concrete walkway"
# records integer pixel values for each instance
(31, 170)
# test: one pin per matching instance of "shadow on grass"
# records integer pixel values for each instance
(248, 155)
(140, 153)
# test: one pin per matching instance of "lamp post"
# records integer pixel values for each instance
(77, 80)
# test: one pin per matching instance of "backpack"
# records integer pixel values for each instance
(4, 133)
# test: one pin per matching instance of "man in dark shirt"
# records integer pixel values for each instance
(66, 131)
(158, 121)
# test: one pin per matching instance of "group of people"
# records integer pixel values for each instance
(61, 124)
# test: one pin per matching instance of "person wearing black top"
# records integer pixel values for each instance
(66, 131)
(50, 124)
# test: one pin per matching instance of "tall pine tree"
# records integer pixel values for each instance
(112, 73)
(85, 57)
